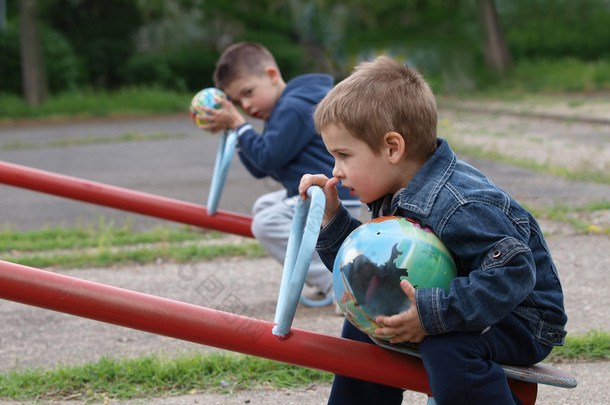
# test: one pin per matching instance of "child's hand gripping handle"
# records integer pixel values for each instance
(228, 141)
(301, 246)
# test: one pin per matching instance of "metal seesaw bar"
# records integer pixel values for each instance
(123, 199)
(207, 326)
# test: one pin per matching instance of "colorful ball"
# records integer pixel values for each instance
(373, 260)
(205, 98)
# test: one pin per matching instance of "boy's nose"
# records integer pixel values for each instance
(245, 105)
(337, 172)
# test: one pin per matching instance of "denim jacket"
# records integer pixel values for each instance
(504, 265)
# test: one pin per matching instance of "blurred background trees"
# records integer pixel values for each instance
(460, 45)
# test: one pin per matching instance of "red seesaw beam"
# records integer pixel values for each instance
(123, 199)
(224, 330)
(207, 326)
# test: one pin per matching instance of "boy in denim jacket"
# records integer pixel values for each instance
(288, 147)
(505, 306)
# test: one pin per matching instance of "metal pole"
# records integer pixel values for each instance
(206, 326)
(124, 199)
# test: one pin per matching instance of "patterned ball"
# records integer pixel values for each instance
(373, 260)
(206, 98)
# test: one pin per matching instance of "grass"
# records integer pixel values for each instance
(594, 345)
(97, 103)
(139, 255)
(150, 376)
(101, 234)
(576, 217)
(103, 245)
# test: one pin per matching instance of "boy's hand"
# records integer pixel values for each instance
(329, 186)
(220, 119)
(405, 326)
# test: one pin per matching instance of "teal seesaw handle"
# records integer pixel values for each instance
(228, 141)
(301, 246)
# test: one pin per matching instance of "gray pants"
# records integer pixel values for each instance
(273, 213)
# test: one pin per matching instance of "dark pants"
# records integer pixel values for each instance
(462, 368)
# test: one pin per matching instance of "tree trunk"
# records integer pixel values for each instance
(33, 75)
(495, 49)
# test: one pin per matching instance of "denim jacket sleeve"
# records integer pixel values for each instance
(333, 234)
(496, 271)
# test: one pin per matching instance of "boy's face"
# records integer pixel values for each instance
(256, 95)
(368, 175)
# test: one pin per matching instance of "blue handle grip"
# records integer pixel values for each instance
(228, 141)
(301, 246)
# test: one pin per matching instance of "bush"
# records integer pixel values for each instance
(557, 29)
(63, 70)
(181, 69)
(100, 31)
(555, 75)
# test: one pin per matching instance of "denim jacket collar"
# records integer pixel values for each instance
(420, 194)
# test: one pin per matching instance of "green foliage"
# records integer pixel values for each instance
(564, 74)
(101, 32)
(253, 15)
(63, 69)
(10, 63)
(557, 29)
(182, 69)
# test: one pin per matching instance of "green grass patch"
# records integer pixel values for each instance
(563, 75)
(577, 217)
(152, 376)
(104, 245)
(102, 234)
(138, 255)
(89, 103)
(595, 345)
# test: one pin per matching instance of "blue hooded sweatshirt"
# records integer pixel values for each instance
(289, 147)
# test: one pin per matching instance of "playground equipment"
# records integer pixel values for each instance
(202, 325)
(208, 98)
(224, 155)
(123, 199)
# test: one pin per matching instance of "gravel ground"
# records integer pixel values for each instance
(34, 337)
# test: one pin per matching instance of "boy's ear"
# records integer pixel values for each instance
(394, 146)
(273, 73)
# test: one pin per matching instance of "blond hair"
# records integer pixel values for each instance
(379, 97)
(241, 59)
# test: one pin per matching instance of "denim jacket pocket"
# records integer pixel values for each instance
(503, 252)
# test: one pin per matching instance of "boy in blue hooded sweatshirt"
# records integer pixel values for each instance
(288, 148)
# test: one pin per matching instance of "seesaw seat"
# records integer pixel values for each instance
(540, 373)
